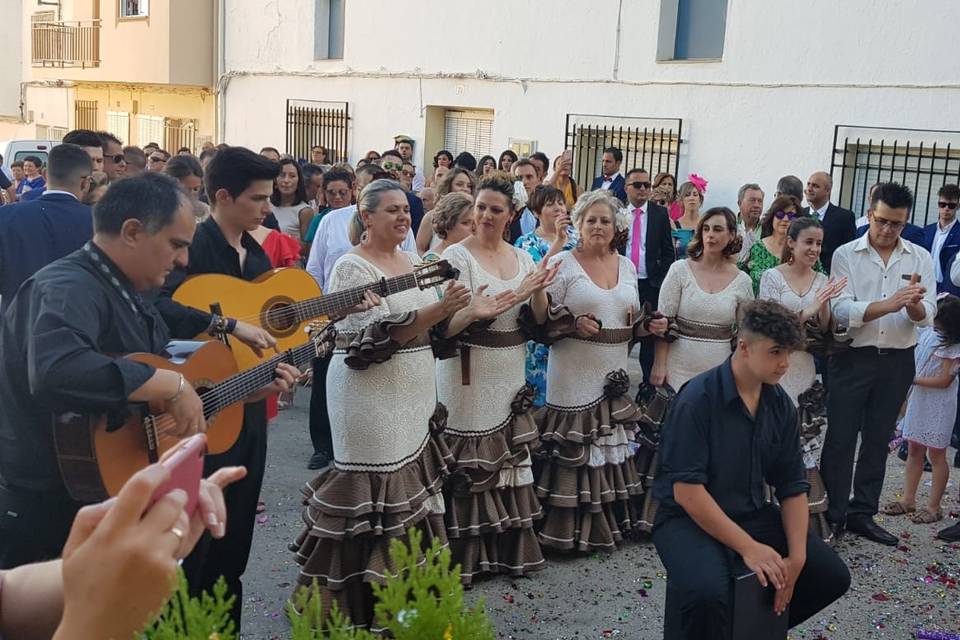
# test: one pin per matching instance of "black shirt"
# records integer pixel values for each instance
(211, 253)
(53, 342)
(710, 438)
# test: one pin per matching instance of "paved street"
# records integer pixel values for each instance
(895, 590)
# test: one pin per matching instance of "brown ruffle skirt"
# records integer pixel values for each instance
(352, 516)
(590, 504)
(491, 510)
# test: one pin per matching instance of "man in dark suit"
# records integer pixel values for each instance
(611, 180)
(649, 247)
(34, 234)
(942, 238)
(839, 224)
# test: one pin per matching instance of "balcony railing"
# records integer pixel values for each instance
(66, 44)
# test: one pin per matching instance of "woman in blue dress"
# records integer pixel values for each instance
(552, 235)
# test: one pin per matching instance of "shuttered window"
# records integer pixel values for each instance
(150, 129)
(118, 123)
(470, 131)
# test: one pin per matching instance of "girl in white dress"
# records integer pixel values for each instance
(931, 410)
(389, 461)
(797, 285)
(491, 504)
(588, 483)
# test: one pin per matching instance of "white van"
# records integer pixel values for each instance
(14, 150)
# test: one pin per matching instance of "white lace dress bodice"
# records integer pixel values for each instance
(497, 374)
(682, 298)
(577, 368)
(773, 286)
(380, 415)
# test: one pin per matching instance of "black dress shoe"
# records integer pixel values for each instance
(836, 529)
(950, 534)
(318, 460)
(866, 527)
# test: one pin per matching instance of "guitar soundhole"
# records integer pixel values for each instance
(280, 317)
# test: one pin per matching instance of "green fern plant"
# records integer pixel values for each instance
(203, 618)
(423, 601)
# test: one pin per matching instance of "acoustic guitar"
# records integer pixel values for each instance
(97, 454)
(284, 301)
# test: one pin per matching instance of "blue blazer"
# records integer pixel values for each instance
(948, 252)
(617, 188)
(34, 234)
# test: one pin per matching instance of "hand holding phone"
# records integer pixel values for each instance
(185, 464)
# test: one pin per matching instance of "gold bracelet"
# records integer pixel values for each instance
(182, 385)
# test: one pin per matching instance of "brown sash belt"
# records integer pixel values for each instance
(494, 339)
(346, 338)
(704, 331)
(610, 336)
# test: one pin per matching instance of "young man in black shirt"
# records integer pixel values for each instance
(729, 430)
(59, 343)
(238, 183)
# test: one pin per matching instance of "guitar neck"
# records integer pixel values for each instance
(332, 303)
(240, 385)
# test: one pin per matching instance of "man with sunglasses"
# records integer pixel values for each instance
(890, 292)
(839, 224)
(650, 249)
(392, 162)
(942, 238)
(157, 161)
(114, 162)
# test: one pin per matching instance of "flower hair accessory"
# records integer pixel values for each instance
(698, 182)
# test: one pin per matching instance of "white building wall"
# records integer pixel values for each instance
(790, 72)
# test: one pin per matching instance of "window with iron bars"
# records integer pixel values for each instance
(311, 122)
(922, 159)
(85, 114)
(649, 143)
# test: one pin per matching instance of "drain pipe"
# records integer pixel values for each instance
(219, 84)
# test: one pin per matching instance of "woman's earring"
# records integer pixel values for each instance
(364, 237)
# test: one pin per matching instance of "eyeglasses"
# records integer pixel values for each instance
(893, 226)
(948, 205)
(389, 166)
(640, 185)
(780, 215)
(157, 159)
(117, 159)
(408, 174)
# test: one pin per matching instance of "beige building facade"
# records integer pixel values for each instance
(143, 70)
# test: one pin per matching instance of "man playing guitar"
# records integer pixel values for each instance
(62, 342)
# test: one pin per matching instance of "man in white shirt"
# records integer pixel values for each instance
(750, 203)
(331, 241)
(890, 292)
(526, 173)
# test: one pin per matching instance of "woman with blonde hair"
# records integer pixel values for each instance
(589, 481)
(458, 180)
(452, 221)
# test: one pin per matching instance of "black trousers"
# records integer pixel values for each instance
(702, 571)
(33, 525)
(228, 556)
(867, 389)
(320, 434)
(651, 294)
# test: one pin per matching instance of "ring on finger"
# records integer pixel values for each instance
(177, 532)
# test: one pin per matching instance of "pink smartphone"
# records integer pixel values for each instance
(185, 463)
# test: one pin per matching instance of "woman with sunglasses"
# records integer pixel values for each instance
(766, 253)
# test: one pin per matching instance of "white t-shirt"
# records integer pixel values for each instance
(289, 218)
